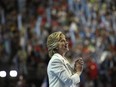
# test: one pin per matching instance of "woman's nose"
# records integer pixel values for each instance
(66, 42)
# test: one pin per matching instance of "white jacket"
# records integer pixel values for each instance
(60, 73)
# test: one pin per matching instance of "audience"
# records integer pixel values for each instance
(90, 27)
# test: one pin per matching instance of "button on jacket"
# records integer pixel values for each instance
(60, 73)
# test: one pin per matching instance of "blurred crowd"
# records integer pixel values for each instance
(90, 28)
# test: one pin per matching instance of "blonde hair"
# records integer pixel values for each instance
(52, 42)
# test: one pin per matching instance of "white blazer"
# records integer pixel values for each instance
(60, 73)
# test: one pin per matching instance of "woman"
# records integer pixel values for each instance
(60, 72)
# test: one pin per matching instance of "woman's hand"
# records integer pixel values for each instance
(79, 65)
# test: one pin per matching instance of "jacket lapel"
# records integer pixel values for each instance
(66, 64)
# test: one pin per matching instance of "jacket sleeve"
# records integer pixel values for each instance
(59, 69)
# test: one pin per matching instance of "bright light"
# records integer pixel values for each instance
(2, 73)
(13, 73)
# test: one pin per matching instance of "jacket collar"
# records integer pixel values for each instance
(63, 58)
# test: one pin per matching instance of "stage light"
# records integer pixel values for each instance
(2, 74)
(13, 73)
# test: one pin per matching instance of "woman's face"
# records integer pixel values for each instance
(63, 45)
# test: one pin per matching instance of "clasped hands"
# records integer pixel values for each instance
(78, 66)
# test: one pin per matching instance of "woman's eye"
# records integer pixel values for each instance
(62, 40)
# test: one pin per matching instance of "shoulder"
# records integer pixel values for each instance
(55, 62)
(56, 58)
